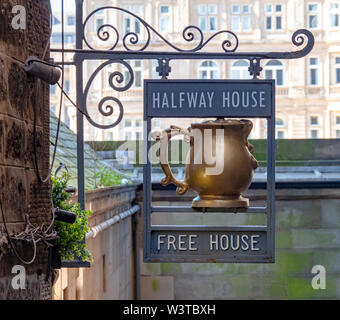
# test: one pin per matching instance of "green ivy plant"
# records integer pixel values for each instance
(70, 243)
(108, 177)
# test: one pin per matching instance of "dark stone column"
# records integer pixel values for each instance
(20, 192)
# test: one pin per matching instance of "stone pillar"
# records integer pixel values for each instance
(20, 192)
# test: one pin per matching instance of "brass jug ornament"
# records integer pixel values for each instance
(220, 163)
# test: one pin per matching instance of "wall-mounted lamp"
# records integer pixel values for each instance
(65, 216)
(42, 70)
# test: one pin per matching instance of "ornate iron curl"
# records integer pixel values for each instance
(109, 109)
(133, 38)
(298, 40)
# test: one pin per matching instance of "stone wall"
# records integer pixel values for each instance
(112, 274)
(20, 192)
(307, 234)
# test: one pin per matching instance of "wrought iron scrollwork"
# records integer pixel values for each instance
(299, 37)
(131, 39)
(134, 45)
(104, 109)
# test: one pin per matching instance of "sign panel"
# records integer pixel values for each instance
(213, 98)
(200, 243)
(209, 244)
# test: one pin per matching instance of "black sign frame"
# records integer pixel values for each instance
(204, 233)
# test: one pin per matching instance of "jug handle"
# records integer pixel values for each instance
(164, 137)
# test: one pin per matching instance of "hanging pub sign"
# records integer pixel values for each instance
(219, 178)
(219, 168)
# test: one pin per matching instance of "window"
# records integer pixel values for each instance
(138, 136)
(337, 70)
(67, 86)
(280, 134)
(314, 121)
(128, 135)
(240, 18)
(70, 38)
(164, 18)
(109, 136)
(313, 71)
(273, 17)
(274, 70)
(313, 15)
(207, 17)
(208, 70)
(99, 21)
(334, 14)
(128, 123)
(71, 20)
(56, 38)
(239, 70)
(139, 123)
(137, 70)
(157, 123)
(154, 73)
(279, 122)
(131, 24)
(337, 120)
(314, 134)
(66, 117)
(337, 134)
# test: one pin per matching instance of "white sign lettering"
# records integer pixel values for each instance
(208, 99)
(216, 242)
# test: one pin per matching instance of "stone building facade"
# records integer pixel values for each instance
(308, 89)
(20, 192)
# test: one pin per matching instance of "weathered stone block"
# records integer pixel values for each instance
(170, 268)
(17, 90)
(283, 239)
(303, 214)
(316, 238)
(29, 150)
(149, 269)
(1, 139)
(157, 288)
(14, 136)
(330, 259)
(330, 213)
(14, 195)
(301, 288)
(3, 81)
(11, 40)
(294, 262)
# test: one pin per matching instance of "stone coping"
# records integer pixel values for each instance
(90, 194)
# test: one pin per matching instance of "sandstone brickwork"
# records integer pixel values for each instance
(20, 192)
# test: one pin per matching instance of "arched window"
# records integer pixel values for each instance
(208, 70)
(279, 122)
(239, 70)
(274, 70)
(280, 134)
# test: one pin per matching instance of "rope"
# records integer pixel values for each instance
(30, 234)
